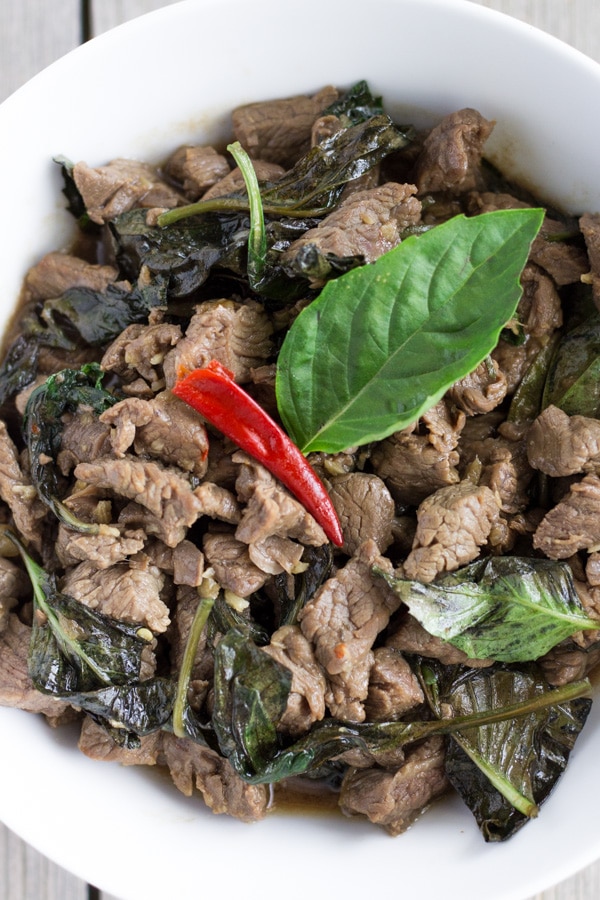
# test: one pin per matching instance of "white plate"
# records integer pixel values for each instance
(172, 76)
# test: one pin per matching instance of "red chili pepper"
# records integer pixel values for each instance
(213, 393)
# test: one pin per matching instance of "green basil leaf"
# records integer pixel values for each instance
(505, 608)
(505, 770)
(382, 343)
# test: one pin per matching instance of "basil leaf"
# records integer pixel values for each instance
(505, 608)
(573, 382)
(382, 343)
(504, 771)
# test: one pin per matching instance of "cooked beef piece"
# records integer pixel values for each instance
(234, 181)
(342, 620)
(451, 156)
(280, 130)
(504, 469)
(558, 444)
(140, 351)
(574, 523)
(188, 564)
(394, 798)
(170, 531)
(101, 550)
(121, 185)
(365, 509)
(422, 458)
(16, 687)
(123, 592)
(567, 662)
(164, 492)
(590, 228)
(18, 493)
(163, 428)
(275, 555)
(13, 585)
(57, 272)
(306, 702)
(366, 224)
(238, 335)
(323, 128)
(452, 524)
(218, 503)
(194, 766)
(84, 438)
(234, 570)
(196, 169)
(190, 765)
(409, 636)
(393, 687)
(481, 391)
(270, 509)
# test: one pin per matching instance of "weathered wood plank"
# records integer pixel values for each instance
(27, 875)
(33, 33)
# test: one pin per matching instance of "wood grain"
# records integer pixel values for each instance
(33, 33)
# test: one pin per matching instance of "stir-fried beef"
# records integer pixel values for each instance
(161, 516)
(162, 428)
(365, 508)
(342, 621)
(123, 184)
(196, 169)
(366, 224)
(279, 130)
(57, 272)
(394, 798)
(574, 523)
(422, 458)
(451, 155)
(122, 591)
(238, 335)
(558, 444)
(306, 702)
(452, 524)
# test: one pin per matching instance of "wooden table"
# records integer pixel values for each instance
(33, 33)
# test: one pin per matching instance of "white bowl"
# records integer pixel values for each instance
(173, 76)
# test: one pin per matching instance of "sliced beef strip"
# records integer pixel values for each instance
(558, 444)
(101, 550)
(14, 585)
(567, 662)
(56, 272)
(164, 492)
(122, 591)
(504, 469)
(163, 428)
(270, 509)
(451, 155)
(275, 555)
(84, 438)
(238, 335)
(394, 798)
(218, 503)
(409, 636)
(365, 509)
(452, 524)
(17, 491)
(122, 184)
(196, 168)
(169, 530)
(367, 224)
(16, 687)
(422, 458)
(234, 181)
(140, 351)
(280, 130)
(342, 621)
(574, 523)
(306, 702)
(393, 687)
(481, 391)
(224, 792)
(234, 570)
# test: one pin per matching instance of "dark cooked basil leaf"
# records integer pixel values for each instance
(507, 608)
(43, 426)
(573, 380)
